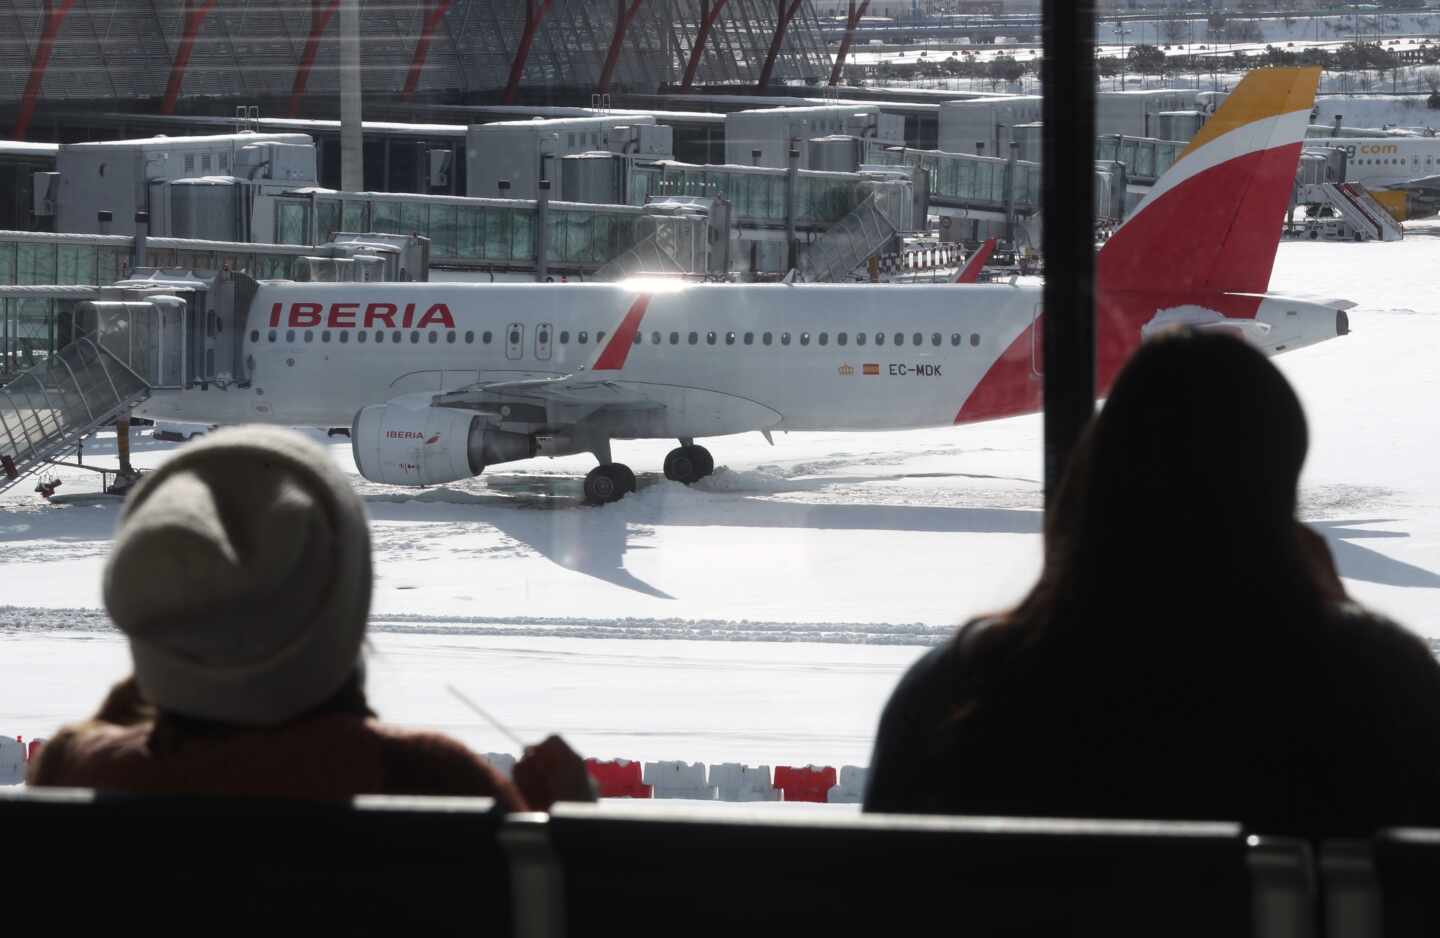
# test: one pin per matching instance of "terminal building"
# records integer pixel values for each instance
(506, 140)
(174, 57)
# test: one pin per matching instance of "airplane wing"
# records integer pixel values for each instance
(1420, 184)
(566, 399)
(1424, 192)
(561, 400)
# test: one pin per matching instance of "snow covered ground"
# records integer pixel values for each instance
(764, 615)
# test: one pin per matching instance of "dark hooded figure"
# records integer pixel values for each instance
(1188, 651)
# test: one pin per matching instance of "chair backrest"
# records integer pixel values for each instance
(1388, 885)
(437, 866)
(375, 866)
(712, 874)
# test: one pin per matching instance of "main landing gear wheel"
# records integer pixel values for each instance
(609, 483)
(689, 464)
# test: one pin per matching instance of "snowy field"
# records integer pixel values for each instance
(1364, 98)
(764, 615)
(1399, 31)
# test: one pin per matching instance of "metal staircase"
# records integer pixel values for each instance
(158, 330)
(1367, 219)
(848, 243)
(47, 410)
(648, 256)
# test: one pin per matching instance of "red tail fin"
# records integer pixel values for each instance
(1205, 236)
(1212, 221)
(1207, 233)
(970, 273)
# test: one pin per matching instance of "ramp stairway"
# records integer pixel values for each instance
(47, 410)
(848, 243)
(648, 256)
(1362, 213)
(127, 340)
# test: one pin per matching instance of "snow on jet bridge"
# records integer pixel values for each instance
(440, 381)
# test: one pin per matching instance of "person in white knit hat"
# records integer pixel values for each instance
(241, 575)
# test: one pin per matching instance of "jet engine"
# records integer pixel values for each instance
(400, 443)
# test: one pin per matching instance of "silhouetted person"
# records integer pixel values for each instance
(241, 575)
(1188, 651)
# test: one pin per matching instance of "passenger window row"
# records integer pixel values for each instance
(805, 338)
(822, 339)
(399, 335)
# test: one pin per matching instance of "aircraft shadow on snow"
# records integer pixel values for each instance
(1357, 562)
(595, 541)
(590, 542)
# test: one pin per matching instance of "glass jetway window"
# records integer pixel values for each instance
(290, 223)
(495, 232)
(973, 180)
(756, 194)
(1146, 158)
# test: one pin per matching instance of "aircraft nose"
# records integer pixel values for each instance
(1342, 322)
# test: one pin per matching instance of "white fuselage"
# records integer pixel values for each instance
(711, 359)
(1385, 161)
(720, 357)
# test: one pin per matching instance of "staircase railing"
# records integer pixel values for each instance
(47, 409)
(648, 256)
(848, 243)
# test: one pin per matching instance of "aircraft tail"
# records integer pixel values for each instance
(1212, 221)
(970, 273)
(1201, 244)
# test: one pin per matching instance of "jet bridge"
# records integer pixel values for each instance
(158, 330)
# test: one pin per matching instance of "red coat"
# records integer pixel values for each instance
(323, 756)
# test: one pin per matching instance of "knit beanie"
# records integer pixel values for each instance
(241, 575)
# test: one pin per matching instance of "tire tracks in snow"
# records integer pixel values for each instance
(16, 620)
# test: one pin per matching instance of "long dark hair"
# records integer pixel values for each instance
(1178, 507)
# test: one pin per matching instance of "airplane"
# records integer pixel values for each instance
(439, 381)
(1381, 162)
(1408, 164)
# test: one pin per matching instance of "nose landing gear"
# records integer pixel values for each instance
(689, 464)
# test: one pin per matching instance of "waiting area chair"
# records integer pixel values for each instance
(438, 866)
(218, 866)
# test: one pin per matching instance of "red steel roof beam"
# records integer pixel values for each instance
(422, 46)
(195, 13)
(786, 14)
(706, 22)
(625, 15)
(534, 16)
(54, 19)
(321, 12)
(851, 24)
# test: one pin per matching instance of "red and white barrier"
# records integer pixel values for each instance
(724, 781)
(678, 780)
(735, 782)
(811, 783)
(851, 787)
(12, 760)
(618, 778)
